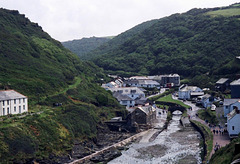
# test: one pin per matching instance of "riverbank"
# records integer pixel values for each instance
(112, 151)
(175, 144)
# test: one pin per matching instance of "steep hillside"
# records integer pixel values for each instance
(193, 43)
(31, 61)
(83, 46)
(112, 45)
(41, 68)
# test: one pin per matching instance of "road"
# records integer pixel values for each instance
(162, 90)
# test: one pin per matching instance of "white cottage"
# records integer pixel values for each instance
(187, 92)
(228, 105)
(206, 100)
(12, 102)
(233, 122)
(128, 96)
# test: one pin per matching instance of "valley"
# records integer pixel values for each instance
(120, 93)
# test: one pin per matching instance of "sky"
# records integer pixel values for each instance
(74, 19)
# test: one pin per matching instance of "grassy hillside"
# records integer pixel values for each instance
(111, 46)
(41, 68)
(83, 46)
(191, 44)
(31, 61)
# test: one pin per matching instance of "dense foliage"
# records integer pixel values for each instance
(41, 68)
(83, 46)
(192, 44)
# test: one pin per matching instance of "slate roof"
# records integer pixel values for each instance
(197, 93)
(231, 114)
(148, 82)
(141, 101)
(236, 82)
(10, 95)
(121, 97)
(189, 88)
(222, 81)
(227, 102)
(146, 109)
(206, 96)
(127, 90)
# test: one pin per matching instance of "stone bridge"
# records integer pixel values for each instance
(176, 107)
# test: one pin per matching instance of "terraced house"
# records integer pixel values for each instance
(12, 102)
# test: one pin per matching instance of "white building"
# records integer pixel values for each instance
(128, 96)
(141, 83)
(233, 121)
(228, 105)
(187, 92)
(206, 100)
(132, 92)
(12, 102)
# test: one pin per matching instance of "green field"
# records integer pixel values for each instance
(169, 98)
(225, 12)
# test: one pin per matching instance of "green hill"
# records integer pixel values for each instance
(41, 68)
(114, 43)
(192, 44)
(83, 46)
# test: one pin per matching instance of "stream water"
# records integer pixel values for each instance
(172, 146)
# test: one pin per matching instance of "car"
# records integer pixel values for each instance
(213, 107)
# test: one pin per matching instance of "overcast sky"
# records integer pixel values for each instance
(74, 19)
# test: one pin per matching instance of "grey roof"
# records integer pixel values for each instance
(139, 77)
(131, 81)
(197, 93)
(141, 82)
(142, 89)
(127, 90)
(141, 101)
(10, 95)
(121, 97)
(189, 88)
(222, 80)
(146, 109)
(227, 102)
(206, 96)
(148, 82)
(236, 82)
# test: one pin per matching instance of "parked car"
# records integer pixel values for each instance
(213, 107)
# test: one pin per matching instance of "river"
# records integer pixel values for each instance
(174, 145)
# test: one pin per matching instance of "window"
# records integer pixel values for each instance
(15, 109)
(14, 101)
(23, 100)
(8, 112)
(3, 111)
(3, 102)
(232, 127)
(8, 102)
(19, 101)
(19, 109)
(23, 107)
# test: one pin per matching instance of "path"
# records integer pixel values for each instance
(162, 90)
(221, 140)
